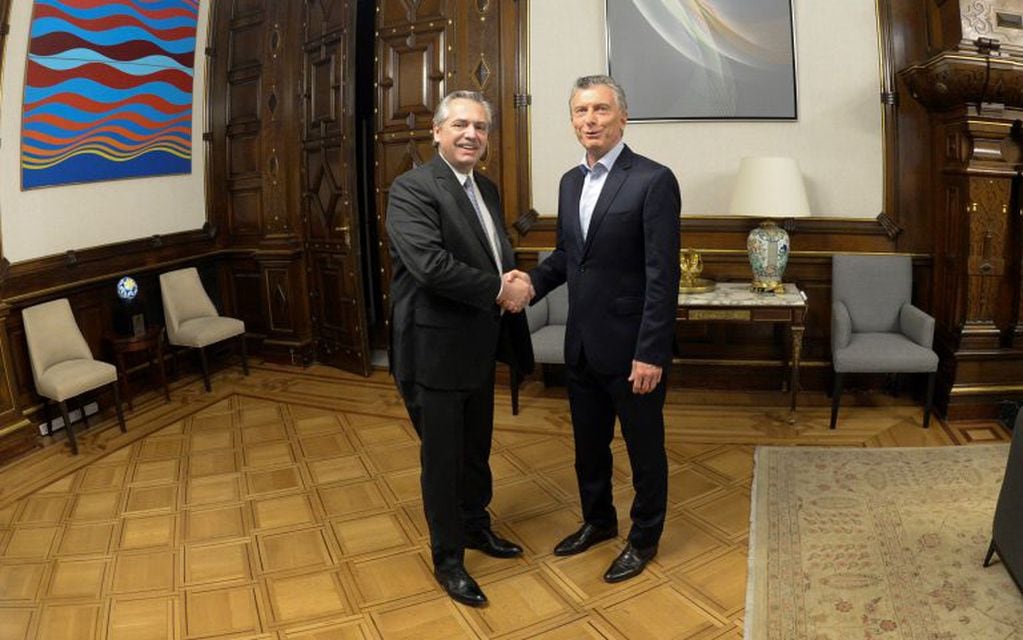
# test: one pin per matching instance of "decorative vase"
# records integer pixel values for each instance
(768, 246)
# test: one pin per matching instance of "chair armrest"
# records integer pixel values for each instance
(536, 315)
(916, 325)
(841, 326)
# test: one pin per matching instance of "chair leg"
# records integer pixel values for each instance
(48, 414)
(836, 394)
(67, 427)
(117, 407)
(83, 400)
(245, 354)
(929, 401)
(990, 554)
(205, 369)
(516, 380)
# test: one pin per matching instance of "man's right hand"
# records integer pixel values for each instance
(516, 291)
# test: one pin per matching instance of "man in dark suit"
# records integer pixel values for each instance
(455, 306)
(618, 248)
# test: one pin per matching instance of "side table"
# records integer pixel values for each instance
(151, 342)
(734, 302)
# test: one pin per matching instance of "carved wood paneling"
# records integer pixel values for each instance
(411, 70)
(330, 204)
(256, 136)
(967, 96)
(395, 13)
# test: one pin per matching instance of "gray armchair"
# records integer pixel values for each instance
(874, 326)
(547, 321)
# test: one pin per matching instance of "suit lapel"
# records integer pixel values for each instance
(489, 192)
(614, 182)
(570, 224)
(449, 182)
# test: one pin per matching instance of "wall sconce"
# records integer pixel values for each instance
(769, 187)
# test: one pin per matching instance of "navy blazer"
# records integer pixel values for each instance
(446, 326)
(623, 279)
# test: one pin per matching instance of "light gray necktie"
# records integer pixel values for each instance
(488, 225)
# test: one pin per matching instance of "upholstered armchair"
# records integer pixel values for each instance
(1007, 529)
(547, 320)
(874, 326)
(193, 321)
(62, 364)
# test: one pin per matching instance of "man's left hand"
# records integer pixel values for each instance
(644, 377)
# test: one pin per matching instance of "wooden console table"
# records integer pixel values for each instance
(734, 302)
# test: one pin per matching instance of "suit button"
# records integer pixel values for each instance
(582, 269)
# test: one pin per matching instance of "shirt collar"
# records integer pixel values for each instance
(608, 159)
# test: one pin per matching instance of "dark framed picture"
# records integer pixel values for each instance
(704, 59)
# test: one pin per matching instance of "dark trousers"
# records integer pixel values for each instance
(456, 429)
(595, 400)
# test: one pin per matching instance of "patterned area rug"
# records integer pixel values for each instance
(877, 544)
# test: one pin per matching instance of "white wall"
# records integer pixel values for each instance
(53, 220)
(837, 139)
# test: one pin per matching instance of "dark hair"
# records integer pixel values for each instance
(585, 82)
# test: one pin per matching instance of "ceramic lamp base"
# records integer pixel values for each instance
(768, 246)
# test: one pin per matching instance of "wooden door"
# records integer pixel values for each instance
(330, 203)
(427, 49)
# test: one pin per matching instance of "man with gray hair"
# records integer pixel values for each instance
(618, 249)
(456, 305)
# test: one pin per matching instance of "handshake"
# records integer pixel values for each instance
(516, 291)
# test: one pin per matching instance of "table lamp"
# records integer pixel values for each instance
(769, 187)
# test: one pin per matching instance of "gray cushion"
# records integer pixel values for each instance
(549, 345)
(536, 314)
(873, 288)
(547, 320)
(884, 353)
(557, 305)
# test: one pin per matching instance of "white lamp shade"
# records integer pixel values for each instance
(770, 187)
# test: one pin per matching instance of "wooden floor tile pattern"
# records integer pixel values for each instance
(286, 506)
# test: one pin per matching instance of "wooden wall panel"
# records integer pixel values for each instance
(331, 205)
(256, 191)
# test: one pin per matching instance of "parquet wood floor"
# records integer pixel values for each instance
(286, 506)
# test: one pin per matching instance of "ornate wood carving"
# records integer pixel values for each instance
(255, 140)
(970, 80)
(950, 79)
(330, 204)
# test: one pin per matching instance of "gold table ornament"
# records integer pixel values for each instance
(691, 265)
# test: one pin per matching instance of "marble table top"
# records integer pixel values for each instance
(738, 294)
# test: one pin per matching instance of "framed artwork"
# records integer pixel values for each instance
(108, 90)
(704, 59)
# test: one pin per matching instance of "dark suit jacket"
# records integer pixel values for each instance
(623, 280)
(446, 327)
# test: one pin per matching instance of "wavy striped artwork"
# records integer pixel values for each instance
(108, 90)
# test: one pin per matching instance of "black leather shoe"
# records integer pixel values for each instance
(629, 563)
(488, 542)
(460, 586)
(587, 536)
